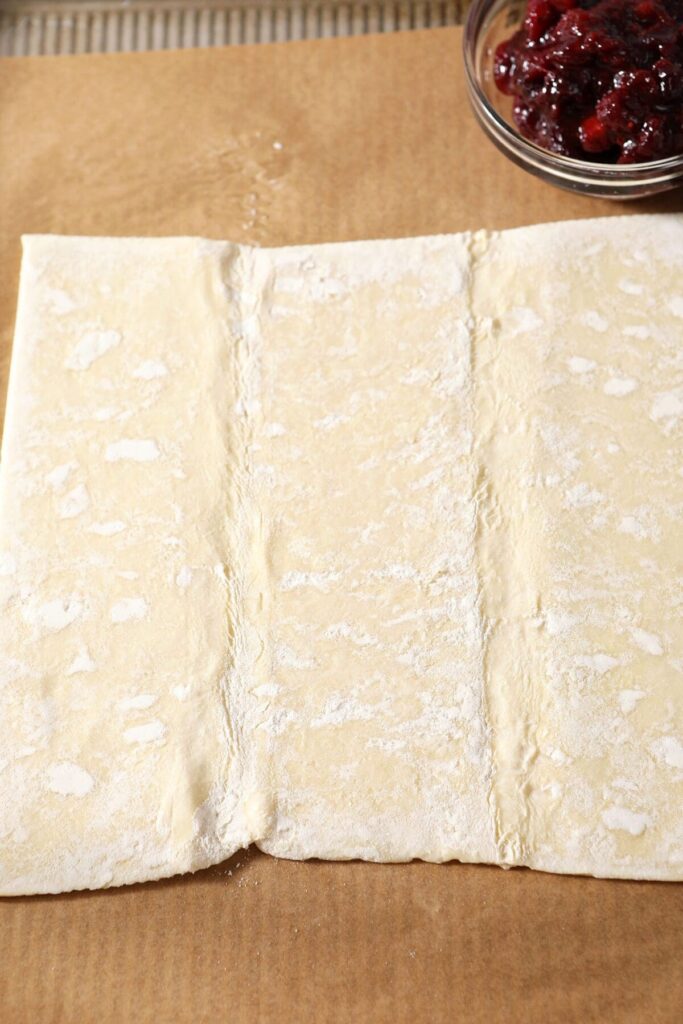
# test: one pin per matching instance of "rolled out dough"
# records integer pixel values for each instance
(361, 550)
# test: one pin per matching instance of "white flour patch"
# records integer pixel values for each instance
(107, 529)
(670, 750)
(329, 422)
(106, 412)
(69, 779)
(591, 318)
(638, 331)
(92, 347)
(287, 658)
(274, 430)
(132, 450)
(317, 580)
(667, 406)
(558, 622)
(522, 320)
(140, 701)
(338, 710)
(620, 386)
(632, 526)
(74, 503)
(629, 287)
(396, 571)
(60, 302)
(357, 636)
(266, 690)
(81, 663)
(626, 785)
(58, 476)
(578, 364)
(628, 700)
(647, 642)
(150, 369)
(676, 305)
(599, 663)
(8, 564)
(388, 746)
(129, 609)
(620, 819)
(183, 577)
(150, 732)
(581, 496)
(54, 615)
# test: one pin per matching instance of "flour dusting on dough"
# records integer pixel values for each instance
(129, 609)
(69, 779)
(362, 550)
(92, 346)
(150, 732)
(132, 450)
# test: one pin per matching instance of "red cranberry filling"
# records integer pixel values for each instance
(598, 79)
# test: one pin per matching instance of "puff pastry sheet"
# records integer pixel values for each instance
(367, 550)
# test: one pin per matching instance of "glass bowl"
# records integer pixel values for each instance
(488, 23)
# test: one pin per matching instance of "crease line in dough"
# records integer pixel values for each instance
(506, 601)
(248, 578)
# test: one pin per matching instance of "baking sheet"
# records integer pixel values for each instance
(117, 26)
(306, 142)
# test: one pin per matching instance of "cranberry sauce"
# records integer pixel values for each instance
(598, 79)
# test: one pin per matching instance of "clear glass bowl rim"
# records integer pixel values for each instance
(651, 172)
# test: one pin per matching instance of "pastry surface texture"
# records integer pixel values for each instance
(363, 550)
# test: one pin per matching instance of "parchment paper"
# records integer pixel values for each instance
(303, 142)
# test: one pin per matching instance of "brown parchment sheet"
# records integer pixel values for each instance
(303, 142)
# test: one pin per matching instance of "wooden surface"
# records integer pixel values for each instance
(374, 139)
